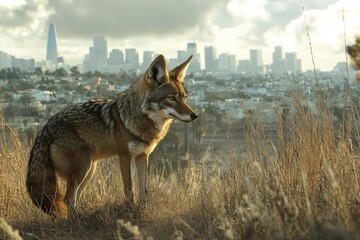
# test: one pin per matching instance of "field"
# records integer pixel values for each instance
(306, 186)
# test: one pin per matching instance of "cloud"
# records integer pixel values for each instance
(326, 27)
(233, 26)
(22, 20)
(123, 19)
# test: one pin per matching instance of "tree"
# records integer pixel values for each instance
(13, 73)
(3, 74)
(26, 99)
(200, 134)
(354, 52)
(38, 71)
(178, 141)
(25, 122)
(60, 72)
(74, 71)
(30, 135)
(9, 97)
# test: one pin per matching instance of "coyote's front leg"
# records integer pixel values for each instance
(125, 162)
(141, 162)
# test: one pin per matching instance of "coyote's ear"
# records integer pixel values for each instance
(157, 71)
(179, 72)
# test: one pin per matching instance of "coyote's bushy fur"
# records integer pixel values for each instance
(129, 124)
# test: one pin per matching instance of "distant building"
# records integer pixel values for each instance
(256, 61)
(210, 57)
(277, 58)
(5, 60)
(24, 64)
(244, 66)
(51, 51)
(115, 61)
(227, 63)
(181, 56)
(116, 57)
(231, 59)
(195, 63)
(100, 51)
(290, 62)
(131, 59)
(8, 61)
(97, 58)
(148, 57)
(298, 65)
(340, 67)
(172, 63)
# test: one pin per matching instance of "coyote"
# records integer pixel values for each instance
(129, 125)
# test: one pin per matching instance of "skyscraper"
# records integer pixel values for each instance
(181, 56)
(277, 58)
(51, 52)
(195, 63)
(290, 62)
(256, 61)
(100, 51)
(210, 55)
(132, 59)
(148, 57)
(116, 57)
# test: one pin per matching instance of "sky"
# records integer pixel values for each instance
(166, 26)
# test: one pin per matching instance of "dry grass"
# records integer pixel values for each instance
(304, 185)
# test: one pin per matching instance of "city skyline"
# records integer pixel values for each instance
(231, 26)
(99, 58)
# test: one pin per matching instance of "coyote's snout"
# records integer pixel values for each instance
(129, 125)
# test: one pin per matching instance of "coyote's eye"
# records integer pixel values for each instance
(171, 98)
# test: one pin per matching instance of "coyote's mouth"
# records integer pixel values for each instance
(185, 121)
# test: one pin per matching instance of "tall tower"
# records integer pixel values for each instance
(132, 59)
(277, 57)
(100, 51)
(210, 55)
(290, 61)
(195, 63)
(148, 57)
(51, 52)
(256, 60)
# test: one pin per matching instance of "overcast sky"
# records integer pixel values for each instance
(165, 26)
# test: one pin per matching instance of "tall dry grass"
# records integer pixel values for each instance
(301, 184)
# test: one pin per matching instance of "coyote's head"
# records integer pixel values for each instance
(165, 92)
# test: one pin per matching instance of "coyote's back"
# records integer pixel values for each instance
(129, 125)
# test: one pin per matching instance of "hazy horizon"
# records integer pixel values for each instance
(232, 26)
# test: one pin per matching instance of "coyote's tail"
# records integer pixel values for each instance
(42, 186)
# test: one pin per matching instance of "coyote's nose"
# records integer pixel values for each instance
(193, 116)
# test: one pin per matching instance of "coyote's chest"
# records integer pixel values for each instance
(138, 147)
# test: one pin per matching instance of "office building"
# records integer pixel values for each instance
(290, 62)
(195, 63)
(51, 50)
(181, 56)
(244, 66)
(100, 51)
(256, 61)
(96, 59)
(131, 59)
(277, 58)
(148, 57)
(227, 63)
(116, 57)
(5, 60)
(210, 56)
